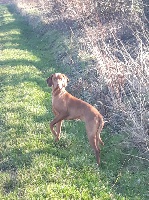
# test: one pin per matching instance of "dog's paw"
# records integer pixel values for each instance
(57, 139)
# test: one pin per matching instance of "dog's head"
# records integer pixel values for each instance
(57, 80)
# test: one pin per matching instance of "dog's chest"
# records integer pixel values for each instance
(58, 103)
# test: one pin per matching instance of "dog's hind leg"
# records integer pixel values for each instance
(92, 137)
(94, 145)
(99, 129)
(99, 140)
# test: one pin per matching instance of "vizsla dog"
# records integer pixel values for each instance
(67, 107)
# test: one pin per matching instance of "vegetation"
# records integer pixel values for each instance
(32, 165)
(104, 47)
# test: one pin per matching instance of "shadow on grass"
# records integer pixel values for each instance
(14, 158)
(27, 40)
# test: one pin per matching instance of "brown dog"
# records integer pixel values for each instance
(67, 107)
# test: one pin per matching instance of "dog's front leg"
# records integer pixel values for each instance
(58, 129)
(58, 125)
(58, 121)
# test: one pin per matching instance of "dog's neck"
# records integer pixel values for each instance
(58, 91)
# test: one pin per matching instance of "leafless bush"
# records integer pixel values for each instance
(108, 54)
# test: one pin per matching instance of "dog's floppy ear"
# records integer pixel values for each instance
(49, 81)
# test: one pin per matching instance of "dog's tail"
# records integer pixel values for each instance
(101, 125)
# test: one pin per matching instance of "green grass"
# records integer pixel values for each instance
(32, 165)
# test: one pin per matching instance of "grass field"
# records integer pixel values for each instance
(32, 165)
